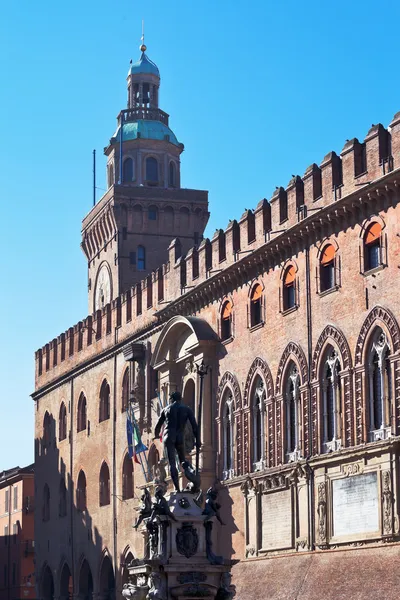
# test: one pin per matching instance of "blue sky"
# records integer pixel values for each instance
(256, 91)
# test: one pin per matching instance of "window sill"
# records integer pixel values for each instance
(287, 311)
(329, 291)
(374, 270)
(258, 326)
(228, 340)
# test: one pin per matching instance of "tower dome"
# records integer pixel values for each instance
(144, 65)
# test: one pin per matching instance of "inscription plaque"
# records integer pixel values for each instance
(355, 505)
(277, 520)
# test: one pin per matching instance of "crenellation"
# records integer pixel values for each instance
(295, 198)
(233, 240)
(395, 139)
(377, 149)
(247, 227)
(312, 179)
(331, 178)
(279, 208)
(262, 215)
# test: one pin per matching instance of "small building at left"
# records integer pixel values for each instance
(17, 568)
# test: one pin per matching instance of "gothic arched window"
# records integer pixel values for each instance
(327, 268)
(256, 305)
(46, 440)
(125, 390)
(104, 406)
(81, 422)
(289, 288)
(372, 247)
(292, 414)
(151, 170)
(81, 492)
(379, 384)
(226, 321)
(62, 506)
(141, 258)
(228, 438)
(331, 403)
(46, 503)
(172, 175)
(104, 485)
(127, 478)
(62, 423)
(128, 173)
(258, 425)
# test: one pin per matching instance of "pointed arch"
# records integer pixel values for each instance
(47, 583)
(125, 390)
(127, 558)
(229, 418)
(106, 577)
(104, 485)
(335, 335)
(65, 582)
(62, 423)
(294, 351)
(384, 318)
(127, 478)
(258, 366)
(229, 380)
(85, 581)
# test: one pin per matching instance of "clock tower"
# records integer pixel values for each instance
(127, 233)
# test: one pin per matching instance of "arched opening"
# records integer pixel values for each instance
(46, 439)
(127, 478)
(46, 503)
(258, 426)
(151, 170)
(125, 390)
(227, 436)
(256, 305)
(128, 170)
(172, 175)
(104, 406)
(62, 423)
(331, 401)
(47, 585)
(292, 414)
(81, 421)
(327, 268)
(104, 485)
(81, 492)
(107, 580)
(372, 247)
(62, 505)
(289, 288)
(66, 589)
(226, 321)
(85, 582)
(141, 258)
(379, 387)
(124, 568)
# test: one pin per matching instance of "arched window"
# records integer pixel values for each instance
(289, 288)
(292, 414)
(331, 403)
(128, 172)
(46, 441)
(81, 422)
(379, 384)
(110, 173)
(152, 213)
(125, 390)
(62, 423)
(372, 247)
(141, 258)
(151, 170)
(127, 478)
(153, 460)
(256, 305)
(62, 503)
(46, 503)
(81, 492)
(169, 218)
(104, 485)
(327, 268)
(172, 174)
(226, 321)
(227, 438)
(258, 426)
(104, 406)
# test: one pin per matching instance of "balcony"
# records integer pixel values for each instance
(383, 433)
(142, 113)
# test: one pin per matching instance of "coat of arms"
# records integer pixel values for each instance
(187, 540)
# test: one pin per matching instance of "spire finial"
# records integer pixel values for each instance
(143, 46)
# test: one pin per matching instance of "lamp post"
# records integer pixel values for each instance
(201, 371)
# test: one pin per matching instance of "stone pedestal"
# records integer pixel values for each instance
(179, 561)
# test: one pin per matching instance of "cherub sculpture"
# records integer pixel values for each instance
(145, 508)
(212, 507)
(160, 506)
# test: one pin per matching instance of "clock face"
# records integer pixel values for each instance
(102, 295)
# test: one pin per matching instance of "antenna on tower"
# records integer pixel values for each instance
(143, 46)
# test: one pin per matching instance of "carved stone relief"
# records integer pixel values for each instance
(322, 524)
(387, 503)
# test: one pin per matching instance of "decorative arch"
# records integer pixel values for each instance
(384, 318)
(85, 581)
(46, 583)
(127, 558)
(106, 576)
(368, 222)
(259, 366)
(295, 352)
(65, 581)
(331, 333)
(229, 380)
(327, 241)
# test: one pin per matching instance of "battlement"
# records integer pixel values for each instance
(338, 176)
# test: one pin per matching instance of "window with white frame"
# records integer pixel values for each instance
(292, 411)
(227, 438)
(258, 418)
(379, 384)
(331, 403)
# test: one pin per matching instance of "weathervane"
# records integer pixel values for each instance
(143, 46)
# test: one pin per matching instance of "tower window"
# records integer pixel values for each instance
(81, 425)
(172, 175)
(128, 171)
(372, 247)
(152, 213)
(289, 288)
(151, 170)
(327, 268)
(62, 423)
(141, 258)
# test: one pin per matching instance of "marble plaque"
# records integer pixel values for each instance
(277, 520)
(355, 505)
